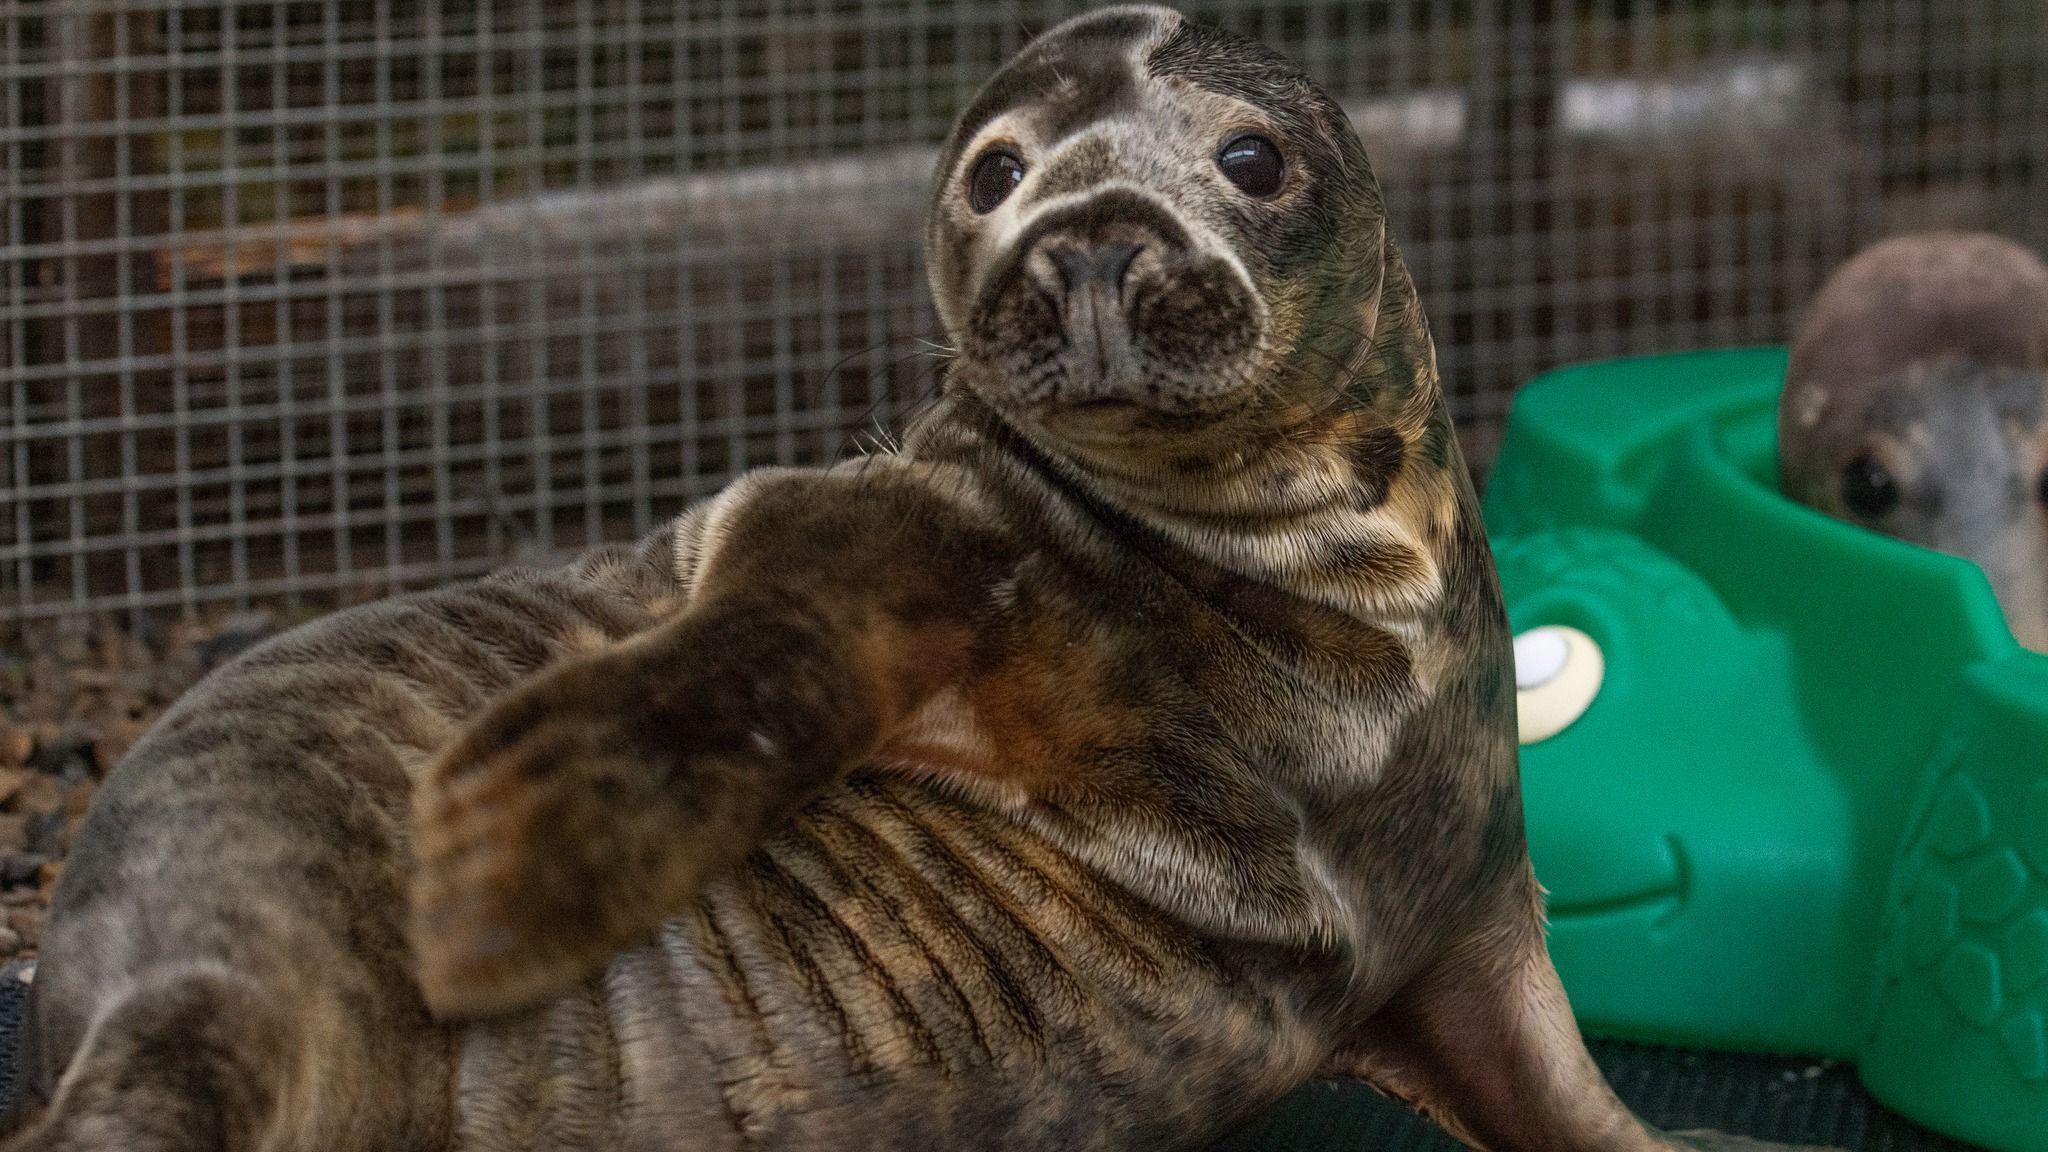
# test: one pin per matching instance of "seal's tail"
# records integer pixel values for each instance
(184, 1061)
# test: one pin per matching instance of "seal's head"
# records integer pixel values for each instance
(1150, 235)
(1916, 403)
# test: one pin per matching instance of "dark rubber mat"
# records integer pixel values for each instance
(1794, 1101)
(13, 1008)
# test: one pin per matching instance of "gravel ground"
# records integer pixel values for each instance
(75, 695)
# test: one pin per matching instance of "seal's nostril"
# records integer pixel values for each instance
(1114, 262)
(1108, 264)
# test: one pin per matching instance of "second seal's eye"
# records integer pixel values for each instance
(995, 176)
(1868, 489)
(1253, 163)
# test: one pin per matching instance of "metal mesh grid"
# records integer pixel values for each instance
(309, 301)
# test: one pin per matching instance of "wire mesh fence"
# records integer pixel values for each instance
(307, 301)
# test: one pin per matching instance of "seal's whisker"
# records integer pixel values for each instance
(868, 420)
(813, 393)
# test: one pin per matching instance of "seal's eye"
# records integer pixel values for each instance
(1868, 489)
(2041, 488)
(1253, 163)
(995, 176)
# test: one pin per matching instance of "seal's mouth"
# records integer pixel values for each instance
(1103, 404)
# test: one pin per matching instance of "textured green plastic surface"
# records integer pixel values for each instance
(1808, 811)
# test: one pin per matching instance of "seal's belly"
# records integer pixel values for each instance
(896, 970)
(899, 967)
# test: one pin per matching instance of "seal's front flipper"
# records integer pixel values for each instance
(592, 802)
(587, 805)
(1484, 1043)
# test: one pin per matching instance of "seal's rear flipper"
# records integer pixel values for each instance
(192, 1060)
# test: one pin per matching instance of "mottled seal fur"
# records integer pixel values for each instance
(1916, 403)
(1134, 745)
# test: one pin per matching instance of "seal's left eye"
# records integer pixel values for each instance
(995, 176)
(1253, 163)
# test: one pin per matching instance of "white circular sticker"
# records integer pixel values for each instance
(1540, 655)
(1558, 671)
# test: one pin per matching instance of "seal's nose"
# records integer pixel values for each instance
(1106, 264)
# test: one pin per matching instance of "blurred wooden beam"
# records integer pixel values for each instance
(852, 201)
